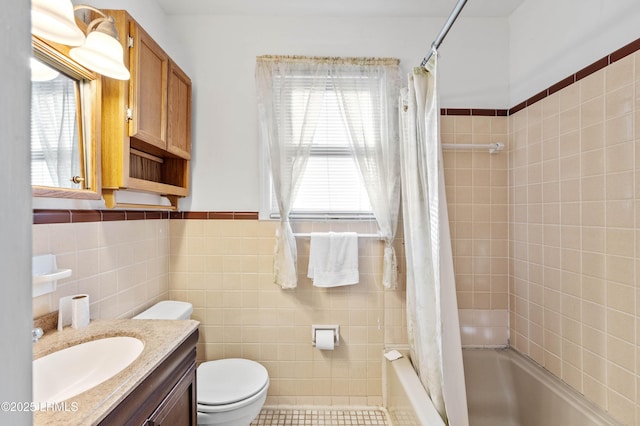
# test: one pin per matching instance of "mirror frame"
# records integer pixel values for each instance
(57, 56)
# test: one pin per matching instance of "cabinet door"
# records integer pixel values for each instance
(148, 89)
(179, 407)
(179, 118)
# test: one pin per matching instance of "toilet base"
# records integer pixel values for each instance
(240, 417)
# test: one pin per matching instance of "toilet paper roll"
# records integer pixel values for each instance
(324, 340)
(80, 311)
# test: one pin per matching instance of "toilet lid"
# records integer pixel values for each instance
(226, 381)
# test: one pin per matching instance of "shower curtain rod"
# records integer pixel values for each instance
(443, 32)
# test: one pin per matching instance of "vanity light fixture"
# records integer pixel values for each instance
(42, 72)
(54, 20)
(99, 51)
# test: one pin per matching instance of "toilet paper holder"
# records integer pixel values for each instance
(334, 327)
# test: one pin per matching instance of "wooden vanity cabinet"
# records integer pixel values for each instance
(146, 120)
(167, 396)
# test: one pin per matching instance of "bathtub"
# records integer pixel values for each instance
(503, 388)
(405, 399)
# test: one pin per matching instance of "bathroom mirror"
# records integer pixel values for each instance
(65, 133)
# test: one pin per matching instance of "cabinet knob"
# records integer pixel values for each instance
(77, 179)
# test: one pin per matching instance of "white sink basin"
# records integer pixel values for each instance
(68, 372)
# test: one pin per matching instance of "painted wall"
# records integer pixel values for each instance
(223, 50)
(15, 211)
(550, 40)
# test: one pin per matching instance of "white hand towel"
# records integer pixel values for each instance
(333, 259)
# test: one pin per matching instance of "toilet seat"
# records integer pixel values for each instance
(231, 383)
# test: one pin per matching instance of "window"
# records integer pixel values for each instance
(328, 128)
(55, 129)
(331, 185)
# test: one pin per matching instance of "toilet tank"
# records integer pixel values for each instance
(167, 309)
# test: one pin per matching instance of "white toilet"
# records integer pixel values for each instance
(230, 392)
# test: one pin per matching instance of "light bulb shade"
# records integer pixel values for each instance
(103, 54)
(42, 72)
(54, 20)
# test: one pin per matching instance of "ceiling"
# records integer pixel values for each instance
(383, 8)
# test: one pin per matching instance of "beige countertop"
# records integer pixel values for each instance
(160, 338)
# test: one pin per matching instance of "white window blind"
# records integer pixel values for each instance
(331, 186)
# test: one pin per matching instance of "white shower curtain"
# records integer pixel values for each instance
(432, 312)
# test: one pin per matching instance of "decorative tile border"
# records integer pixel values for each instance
(475, 112)
(42, 217)
(215, 215)
(621, 53)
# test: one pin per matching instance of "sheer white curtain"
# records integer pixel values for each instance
(432, 312)
(368, 94)
(54, 131)
(287, 129)
(291, 92)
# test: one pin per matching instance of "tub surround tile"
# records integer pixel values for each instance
(484, 327)
(589, 248)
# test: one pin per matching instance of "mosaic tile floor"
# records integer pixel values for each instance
(320, 417)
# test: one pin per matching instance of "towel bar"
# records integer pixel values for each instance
(308, 234)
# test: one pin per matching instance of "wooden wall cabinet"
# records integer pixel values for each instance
(146, 120)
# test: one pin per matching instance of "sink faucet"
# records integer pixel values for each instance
(36, 334)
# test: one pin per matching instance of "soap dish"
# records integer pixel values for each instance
(46, 274)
